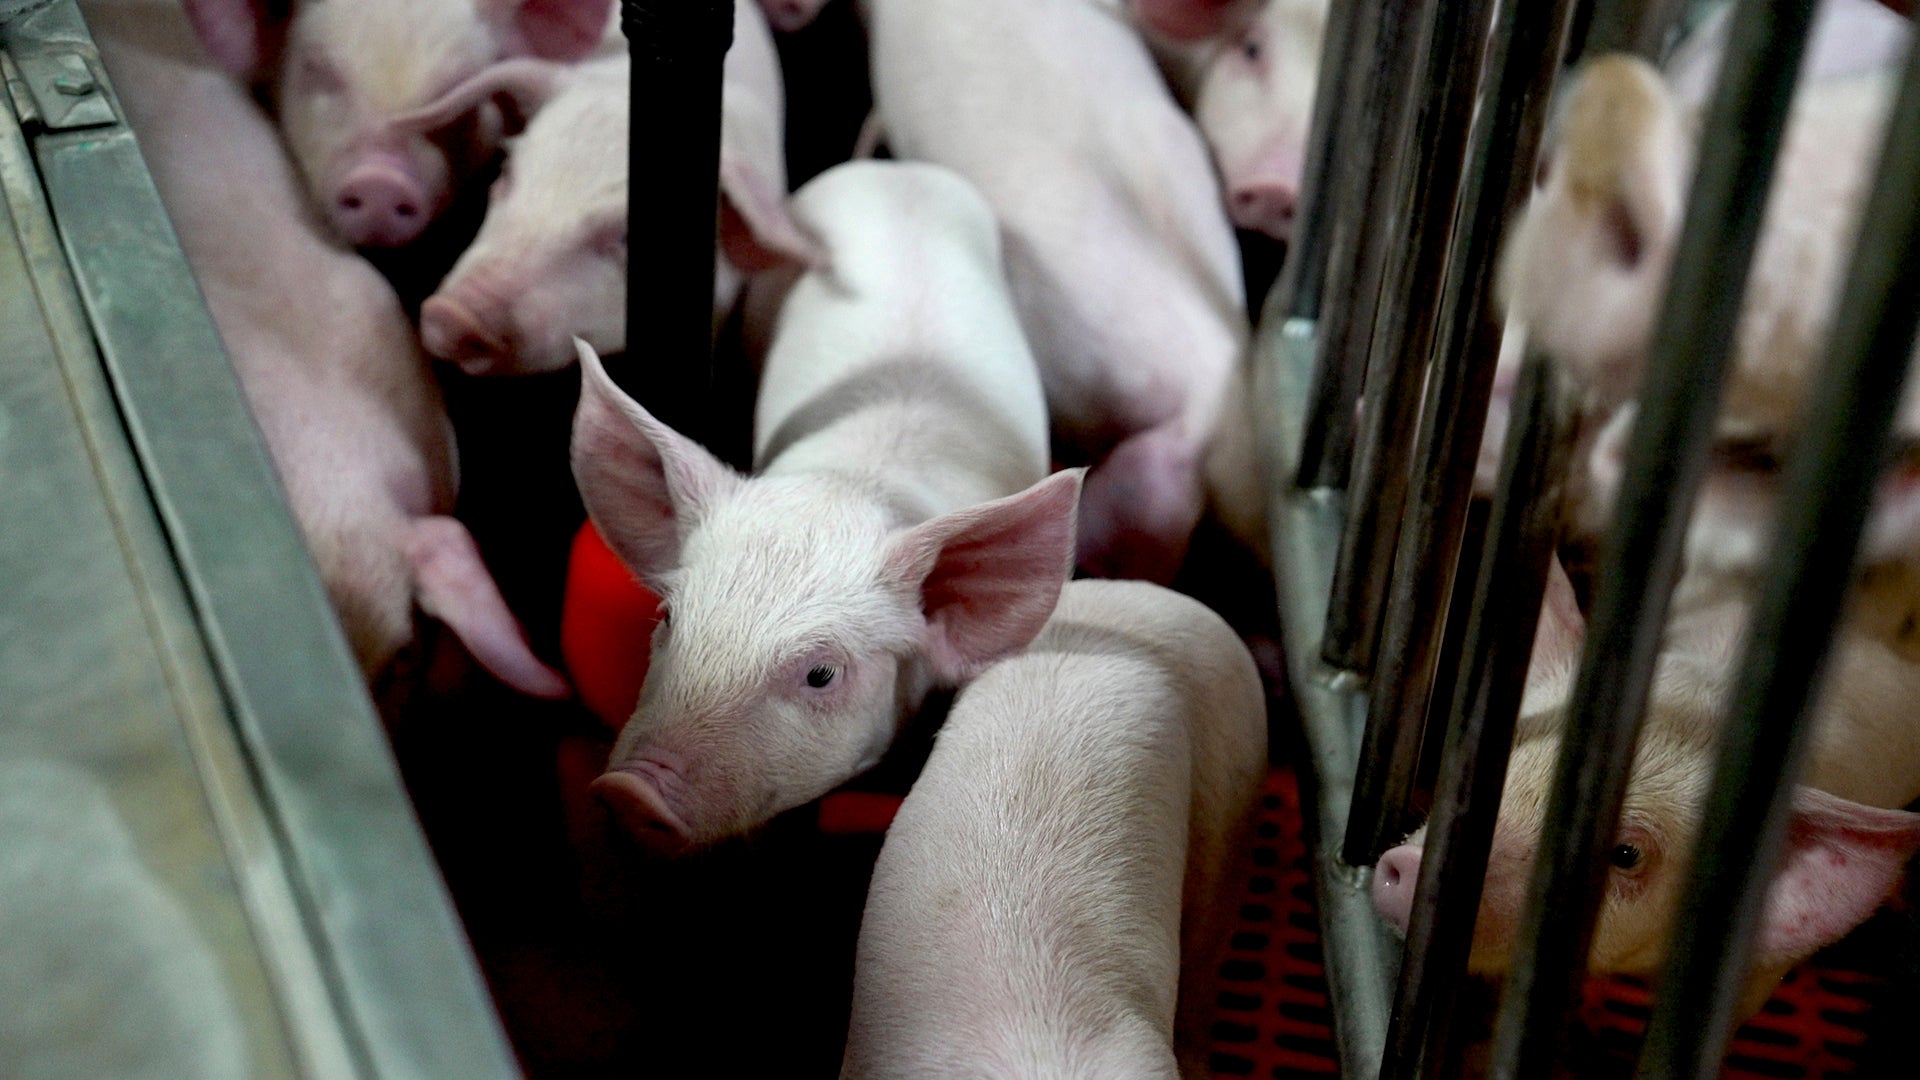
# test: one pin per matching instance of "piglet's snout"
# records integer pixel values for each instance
(637, 793)
(380, 204)
(452, 331)
(1266, 205)
(1393, 880)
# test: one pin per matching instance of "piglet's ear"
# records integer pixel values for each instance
(1617, 164)
(550, 29)
(1843, 859)
(644, 483)
(989, 576)
(243, 36)
(756, 230)
(1562, 629)
(519, 87)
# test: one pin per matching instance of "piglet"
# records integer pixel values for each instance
(896, 534)
(550, 262)
(343, 395)
(1848, 843)
(342, 70)
(1121, 260)
(1056, 876)
(1255, 106)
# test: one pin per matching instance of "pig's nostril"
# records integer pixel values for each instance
(351, 202)
(406, 210)
(1391, 873)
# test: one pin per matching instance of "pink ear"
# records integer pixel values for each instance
(242, 36)
(522, 85)
(644, 483)
(1842, 861)
(1562, 628)
(756, 231)
(989, 575)
(550, 29)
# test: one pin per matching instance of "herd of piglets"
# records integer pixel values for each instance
(1046, 275)
(1016, 349)
(1584, 276)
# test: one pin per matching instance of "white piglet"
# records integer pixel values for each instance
(344, 70)
(1120, 258)
(550, 261)
(1255, 106)
(1848, 843)
(1054, 879)
(884, 544)
(337, 383)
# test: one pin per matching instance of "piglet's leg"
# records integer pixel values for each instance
(453, 585)
(1140, 505)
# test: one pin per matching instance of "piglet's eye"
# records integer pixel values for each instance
(822, 675)
(1625, 857)
(1250, 49)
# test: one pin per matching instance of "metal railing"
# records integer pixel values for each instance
(1365, 640)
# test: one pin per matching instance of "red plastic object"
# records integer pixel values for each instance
(606, 629)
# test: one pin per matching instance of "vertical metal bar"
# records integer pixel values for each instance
(1635, 26)
(1480, 722)
(1828, 484)
(1298, 292)
(1666, 457)
(1512, 107)
(678, 49)
(1358, 150)
(1397, 362)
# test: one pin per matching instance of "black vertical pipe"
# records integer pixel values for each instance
(1828, 484)
(1298, 290)
(1403, 333)
(1327, 437)
(673, 160)
(1512, 106)
(1480, 723)
(1666, 457)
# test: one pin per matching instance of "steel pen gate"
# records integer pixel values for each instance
(1432, 113)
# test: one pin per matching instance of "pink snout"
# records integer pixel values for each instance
(1265, 205)
(1394, 878)
(635, 794)
(451, 331)
(379, 204)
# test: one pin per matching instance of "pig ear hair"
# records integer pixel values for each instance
(244, 37)
(643, 483)
(520, 87)
(756, 230)
(1843, 859)
(565, 30)
(990, 575)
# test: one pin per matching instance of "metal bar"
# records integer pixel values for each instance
(1368, 152)
(1480, 723)
(1397, 364)
(1306, 266)
(1359, 951)
(1666, 457)
(1828, 484)
(678, 48)
(1525, 52)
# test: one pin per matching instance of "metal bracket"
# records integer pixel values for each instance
(61, 92)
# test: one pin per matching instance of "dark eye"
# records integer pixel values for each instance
(1625, 857)
(820, 676)
(1250, 49)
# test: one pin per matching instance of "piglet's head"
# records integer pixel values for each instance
(1254, 106)
(346, 70)
(801, 626)
(1588, 260)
